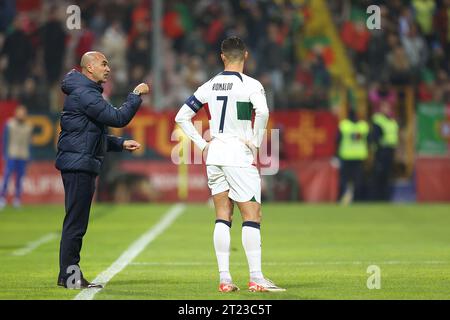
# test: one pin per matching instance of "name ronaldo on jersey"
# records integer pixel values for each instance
(222, 86)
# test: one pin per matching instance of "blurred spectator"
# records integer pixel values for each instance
(273, 30)
(177, 22)
(440, 93)
(400, 67)
(190, 29)
(439, 61)
(255, 22)
(273, 57)
(382, 93)
(319, 70)
(32, 95)
(353, 150)
(424, 10)
(270, 94)
(356, 36)
(415, 49)
(433, 87)
(98, 23)
(193, 73)
(212, 66)
(139, 52)
(194, 44)
(16, 145)
(385, 138)
(85, 42)
(376, 55)
(114, 45)
(297, 96)
(53, 41)
(442, 26)
(18, 51)
(390, 11)
(405, 21)
(303, 74)
(426, 87)
(7, 13)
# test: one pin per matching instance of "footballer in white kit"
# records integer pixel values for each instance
(230, 99)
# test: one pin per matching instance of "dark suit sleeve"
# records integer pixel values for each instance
(100, 110)
(115, 144)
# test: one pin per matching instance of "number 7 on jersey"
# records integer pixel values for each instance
(224, 109)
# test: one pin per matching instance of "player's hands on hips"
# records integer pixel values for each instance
(251, 146)
(131, 145)
(142, 88)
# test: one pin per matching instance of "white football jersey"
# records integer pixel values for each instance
(229, 99)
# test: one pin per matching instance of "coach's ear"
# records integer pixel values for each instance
(245, 55)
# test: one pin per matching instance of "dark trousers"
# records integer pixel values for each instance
(19, 167)
(382, 174)
(351, 171)
(79, 188)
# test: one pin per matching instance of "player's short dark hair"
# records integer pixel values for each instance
(233, 48)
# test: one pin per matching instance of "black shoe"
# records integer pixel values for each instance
(61, 283)
(80, 284)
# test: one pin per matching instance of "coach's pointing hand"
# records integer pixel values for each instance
(131, 145)
(142, 89)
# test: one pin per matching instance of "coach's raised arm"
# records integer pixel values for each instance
(82, 145)
(87, 96)
(83, 140)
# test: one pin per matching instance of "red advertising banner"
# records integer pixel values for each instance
(41, 184)
(432, 176)
(307, 141)
(304, 134)
(158, 181)
(317, 181)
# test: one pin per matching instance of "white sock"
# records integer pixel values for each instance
(222, 246)
(251, 241)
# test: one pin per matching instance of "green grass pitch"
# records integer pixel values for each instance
(314, 251)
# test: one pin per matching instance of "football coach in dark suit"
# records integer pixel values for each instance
(82, 145)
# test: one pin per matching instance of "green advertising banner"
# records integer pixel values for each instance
(433, 129)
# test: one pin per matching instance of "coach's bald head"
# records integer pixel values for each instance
(94, 65)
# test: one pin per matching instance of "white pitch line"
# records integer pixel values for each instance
(306, 263)
(132, 252)
(34, 244)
